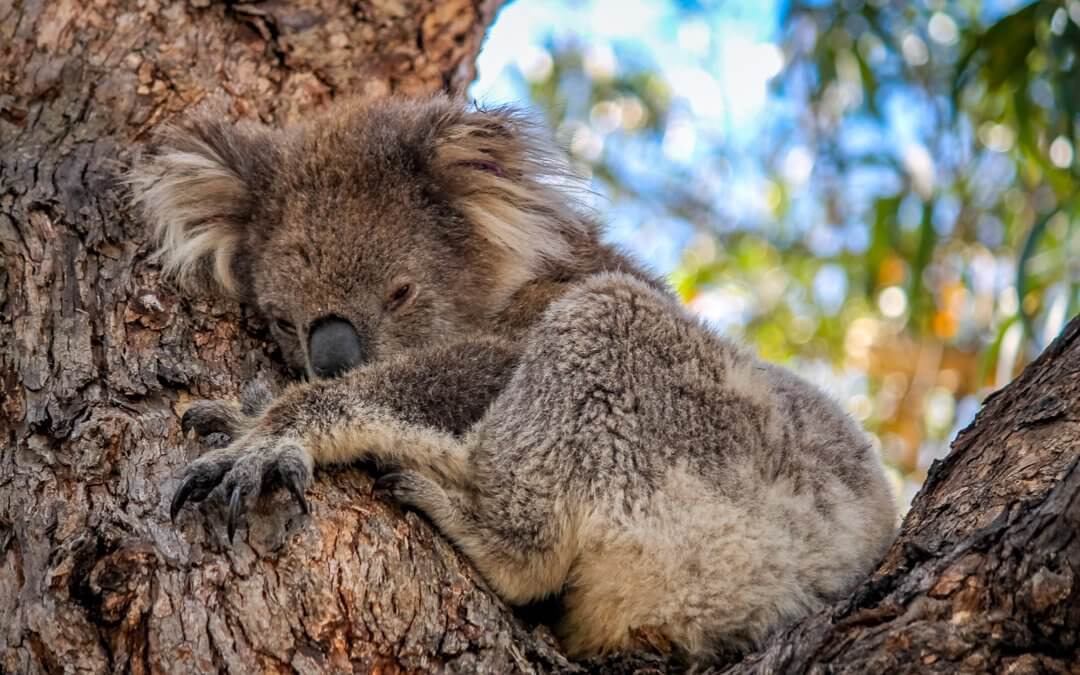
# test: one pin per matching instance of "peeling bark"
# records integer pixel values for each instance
(98, 357)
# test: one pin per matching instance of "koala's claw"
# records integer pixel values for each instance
(236, 506)
(187, 487)
(245, 474)
(295, 486)
(199, 481)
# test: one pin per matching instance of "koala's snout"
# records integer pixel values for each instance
(335, 346)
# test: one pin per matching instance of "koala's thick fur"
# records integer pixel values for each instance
(548, 405)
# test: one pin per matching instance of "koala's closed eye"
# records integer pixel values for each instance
(278, 321)
(400, 294)
(285, 326)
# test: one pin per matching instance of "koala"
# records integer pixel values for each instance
(540, 397)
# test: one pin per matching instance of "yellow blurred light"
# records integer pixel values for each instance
(801, 330)
(772, 342)
(860, 337)
(892, 271)
(1014, 199)
(942, 29)
(773, 195)
(892, 302)
(860, 406)
(996, 137)
(914, 49)
(1008, 302)
(1031, 303)
(949, 378)
(536, 64)
(600, 62)
(944, 324)
(633, 113)
(587, 144)
(606, 116)
(954, 297)
(1061, 152)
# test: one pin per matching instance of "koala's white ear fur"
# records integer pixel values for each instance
(195, 188)
(513, 183)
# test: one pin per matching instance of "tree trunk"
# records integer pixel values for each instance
(98, 357)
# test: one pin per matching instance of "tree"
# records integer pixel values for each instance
(99, 356)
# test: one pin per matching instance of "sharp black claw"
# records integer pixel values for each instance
(181, 497)
(293, 483)
(235, 501)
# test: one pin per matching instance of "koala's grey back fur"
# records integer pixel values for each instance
(674, 480)
(576, 432)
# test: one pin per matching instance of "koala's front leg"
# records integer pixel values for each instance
(405, 414)
(321, 424)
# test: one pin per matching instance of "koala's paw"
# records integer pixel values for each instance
(218, 423)
(415, 490)
(246, 471)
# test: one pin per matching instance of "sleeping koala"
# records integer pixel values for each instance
(549, 405)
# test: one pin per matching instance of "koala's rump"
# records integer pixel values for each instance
(713, 497)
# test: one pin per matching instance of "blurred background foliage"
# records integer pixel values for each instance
(880, 194)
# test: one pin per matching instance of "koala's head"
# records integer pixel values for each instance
(373, 228)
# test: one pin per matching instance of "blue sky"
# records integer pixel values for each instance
(717, 59)
(717, 62)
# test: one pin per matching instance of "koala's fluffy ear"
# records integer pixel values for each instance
(507, 177)
(196, 186)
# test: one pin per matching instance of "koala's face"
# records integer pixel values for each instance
(376, 228)
(351, 274)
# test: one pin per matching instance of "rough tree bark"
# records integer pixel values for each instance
(97, 358)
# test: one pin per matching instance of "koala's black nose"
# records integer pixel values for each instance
(334, 347)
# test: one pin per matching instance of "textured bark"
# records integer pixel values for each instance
(98, 357)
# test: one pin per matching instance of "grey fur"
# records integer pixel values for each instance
(546, 403)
